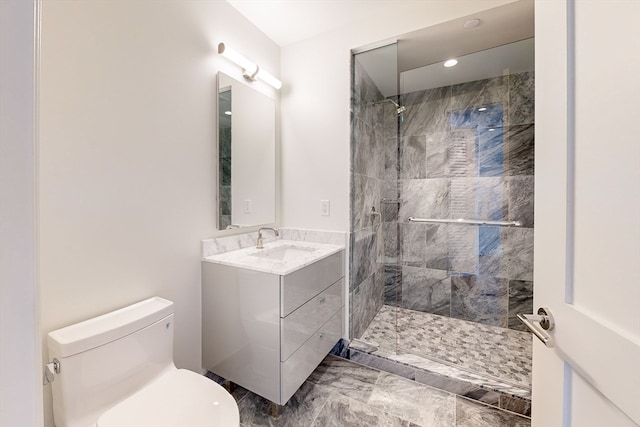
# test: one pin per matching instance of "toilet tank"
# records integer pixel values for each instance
(105, 359)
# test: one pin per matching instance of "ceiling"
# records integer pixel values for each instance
(290, 21)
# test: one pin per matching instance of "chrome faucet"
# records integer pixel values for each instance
(260, 244)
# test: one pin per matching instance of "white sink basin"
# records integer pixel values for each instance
(284, 253)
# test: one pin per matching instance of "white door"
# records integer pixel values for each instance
(587, 242)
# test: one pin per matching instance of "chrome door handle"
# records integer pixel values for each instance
(539, 324)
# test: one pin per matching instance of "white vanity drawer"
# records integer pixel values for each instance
(298, 326)
(302, 285)
(299, 366)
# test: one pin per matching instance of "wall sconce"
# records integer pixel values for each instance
(250, 71)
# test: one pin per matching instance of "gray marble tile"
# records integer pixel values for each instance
(479, 198)
(390, 241)
(413, 157)
(463, 249)
(365, 193)
(518, 257)
(437, 155)
(365, 302)
(390, 210)
(392, 284)
(414, 244)
(507, 252)
(301, 410)
(519, 150)
(521, 98)
(472, 414)
(424, 406)
(520, 191)
(479, 93)
(437, 246)
(461, 153)
(363, 256)
(520, 301)
(490, 151)
(480, 299)
(391, 154)
(516, 404)
(363, 147)
(425, 198)
(391, 121)
(378, 120)
(425, 289)
(341, 411)
(344, 377)
(378, 289)
(426, 111)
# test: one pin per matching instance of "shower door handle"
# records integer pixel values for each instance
(539, 324)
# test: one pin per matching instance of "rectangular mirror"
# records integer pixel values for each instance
(246, 156)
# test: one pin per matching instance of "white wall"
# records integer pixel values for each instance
(127, 131)
(20, 392)
(315, 107)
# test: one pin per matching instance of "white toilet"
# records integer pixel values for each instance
(117, 370)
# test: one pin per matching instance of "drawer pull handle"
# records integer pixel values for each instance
(321, 335)
(322, 300)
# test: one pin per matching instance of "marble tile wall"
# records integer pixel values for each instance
(465, 151)
(447, 158)
(374, 165)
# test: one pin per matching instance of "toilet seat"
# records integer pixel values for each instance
(180, 398)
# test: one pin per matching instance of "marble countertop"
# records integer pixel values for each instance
(250, 257)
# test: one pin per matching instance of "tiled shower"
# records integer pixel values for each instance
(463, 150)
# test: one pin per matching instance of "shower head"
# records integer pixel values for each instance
(399, 109)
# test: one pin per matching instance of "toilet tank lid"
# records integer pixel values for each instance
(109, 327)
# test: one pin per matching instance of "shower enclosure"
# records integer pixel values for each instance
(442, 215)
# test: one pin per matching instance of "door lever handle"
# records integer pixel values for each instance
(539, 324)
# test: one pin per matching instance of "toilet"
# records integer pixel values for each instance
(117, 370)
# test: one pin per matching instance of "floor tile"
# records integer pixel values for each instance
(301, 410)
(345, 377)
(422, 405)
(342, 411)
(472, 414)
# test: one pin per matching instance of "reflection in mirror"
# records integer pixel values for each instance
(246, 155)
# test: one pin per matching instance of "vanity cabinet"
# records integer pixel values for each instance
(268, 332)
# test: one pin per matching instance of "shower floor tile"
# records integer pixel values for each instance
(499, 354)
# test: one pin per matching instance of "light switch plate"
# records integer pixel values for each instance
(325, 208)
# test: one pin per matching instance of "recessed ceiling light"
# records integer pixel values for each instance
(482, 109)
(450, 62)
(471, 23)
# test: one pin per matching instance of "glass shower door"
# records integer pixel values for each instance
(465, 225)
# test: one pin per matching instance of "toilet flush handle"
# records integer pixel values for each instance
(51, 369)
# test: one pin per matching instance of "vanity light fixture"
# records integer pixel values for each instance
(450, 63)
(250, 71)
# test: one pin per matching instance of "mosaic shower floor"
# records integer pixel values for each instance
(492, 357)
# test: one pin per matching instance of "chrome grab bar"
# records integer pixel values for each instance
(467, 221)
(539, 324)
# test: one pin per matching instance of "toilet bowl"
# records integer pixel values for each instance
(117, 370)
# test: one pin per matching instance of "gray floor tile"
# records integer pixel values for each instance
(472, 414)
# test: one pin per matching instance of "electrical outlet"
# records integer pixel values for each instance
(246, 206)
(325, 208)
